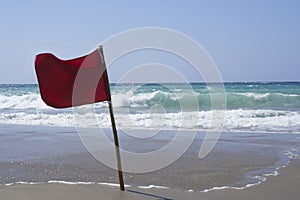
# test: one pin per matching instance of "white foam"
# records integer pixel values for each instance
(256, 96)
(287, 95)
(71, 183)
(64, 182)
(275, 173)
(260, 96)
(113, 184)
(25, 101)
(140, 100)
(230, 187)
(121, 99)
(59, 119)
(292, 153)
(23, 183)
(153, 186)
(260, 178)
(235, 120)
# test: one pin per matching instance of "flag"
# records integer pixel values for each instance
(68, 83)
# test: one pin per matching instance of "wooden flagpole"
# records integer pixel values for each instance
(114, 129)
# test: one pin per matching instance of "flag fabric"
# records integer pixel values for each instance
(68, 83)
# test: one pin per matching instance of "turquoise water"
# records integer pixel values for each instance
(247, 153)
(257, 106)
(273, 95)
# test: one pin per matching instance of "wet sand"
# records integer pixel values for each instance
(284, 186)
(35, 154)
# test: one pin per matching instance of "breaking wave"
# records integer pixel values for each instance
(247, 110)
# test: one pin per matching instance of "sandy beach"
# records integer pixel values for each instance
(175, 100)
(51, 163)
(284, 186)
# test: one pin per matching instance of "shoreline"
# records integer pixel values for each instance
(52, 155)
(261, 179)
(201, 131)
(284, 186)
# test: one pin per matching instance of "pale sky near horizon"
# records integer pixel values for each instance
(248, 40)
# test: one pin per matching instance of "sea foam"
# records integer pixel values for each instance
(234, 120)
(258, 107)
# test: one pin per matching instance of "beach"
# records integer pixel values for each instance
(52, 163)
(153, 100)
(68, 153)
(284, 186)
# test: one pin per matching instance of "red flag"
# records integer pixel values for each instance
(67, 83)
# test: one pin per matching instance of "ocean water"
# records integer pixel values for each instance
(254, 107)
(260, 135)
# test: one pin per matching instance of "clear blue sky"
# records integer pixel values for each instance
(248, 40)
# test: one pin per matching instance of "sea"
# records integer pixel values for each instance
(259, 136)
(251, 106)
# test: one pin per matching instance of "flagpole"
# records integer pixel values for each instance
(113, 125)
(120, 173)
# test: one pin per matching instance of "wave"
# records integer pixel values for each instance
(157, 107)
(24, 101)
(173, 101)
(250, 100)
(170, 101)
(235, 120)
(65, 183)
(261, 96)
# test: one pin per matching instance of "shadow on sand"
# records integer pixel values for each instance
(150, 195)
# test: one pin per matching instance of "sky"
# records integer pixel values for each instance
(248, 40)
